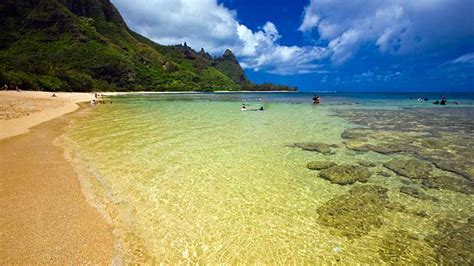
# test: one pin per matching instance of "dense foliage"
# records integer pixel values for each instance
(267, 87)
(84, 45)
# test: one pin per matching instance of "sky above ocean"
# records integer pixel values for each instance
(317, 45)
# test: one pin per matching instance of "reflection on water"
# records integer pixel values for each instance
(193, 179)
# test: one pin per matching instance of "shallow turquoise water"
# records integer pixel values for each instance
(190, 178)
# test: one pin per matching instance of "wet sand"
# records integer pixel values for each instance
(45, 218)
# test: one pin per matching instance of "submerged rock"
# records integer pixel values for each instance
(408, 181)
(356, 145)
(461, 167)
(411, 168)
(319, 165)
(382, 148)
(356, 213)
(454, 243)
(449, 183)
(433, 143)
(383, 173)
(388, 148)
(398, 207)
(315, 146)
(395, 207)
(346, 174)
(367, 164)
(416, 193)
(400, 247)
(355, 133)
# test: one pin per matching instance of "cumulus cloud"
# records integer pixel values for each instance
(201, 23)
(396, 27)
(260, 51)
(208, 24)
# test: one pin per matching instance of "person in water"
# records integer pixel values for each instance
(244, 108)
(316, 99)
(443, 100)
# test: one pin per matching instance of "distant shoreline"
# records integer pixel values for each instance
(48, 107)
(255, 91)
(188, 92)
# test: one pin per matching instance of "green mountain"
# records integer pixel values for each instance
(229, 65)
(85, 45)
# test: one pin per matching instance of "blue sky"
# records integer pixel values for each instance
(318, 45)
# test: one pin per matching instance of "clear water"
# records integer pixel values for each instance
(192, 179)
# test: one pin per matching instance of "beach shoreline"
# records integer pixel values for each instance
(23, 110)
(46, 218)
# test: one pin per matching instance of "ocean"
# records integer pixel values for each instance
(360, 178)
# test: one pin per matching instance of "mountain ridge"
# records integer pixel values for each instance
(85, 45)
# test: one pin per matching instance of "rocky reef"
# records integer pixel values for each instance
(346, 174)
(419, 153)
(443, 137)
(416, 193)
(400, 247)
(315, 146)
(454, 243)
(320, 165)
(456, 184)
(367, 164)
(356, 213)
(410, 168)
(432, 148)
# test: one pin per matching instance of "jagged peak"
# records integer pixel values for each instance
(228, 54)
(205, 54)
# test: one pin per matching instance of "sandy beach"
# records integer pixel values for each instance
(45, 217)
(20, 111)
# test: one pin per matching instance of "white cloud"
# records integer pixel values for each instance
(377, 76)
(202, 23)
(398, 27)
(459, 69)
(458, 64)
(207, 24)
(464, 59)
(260, 51)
